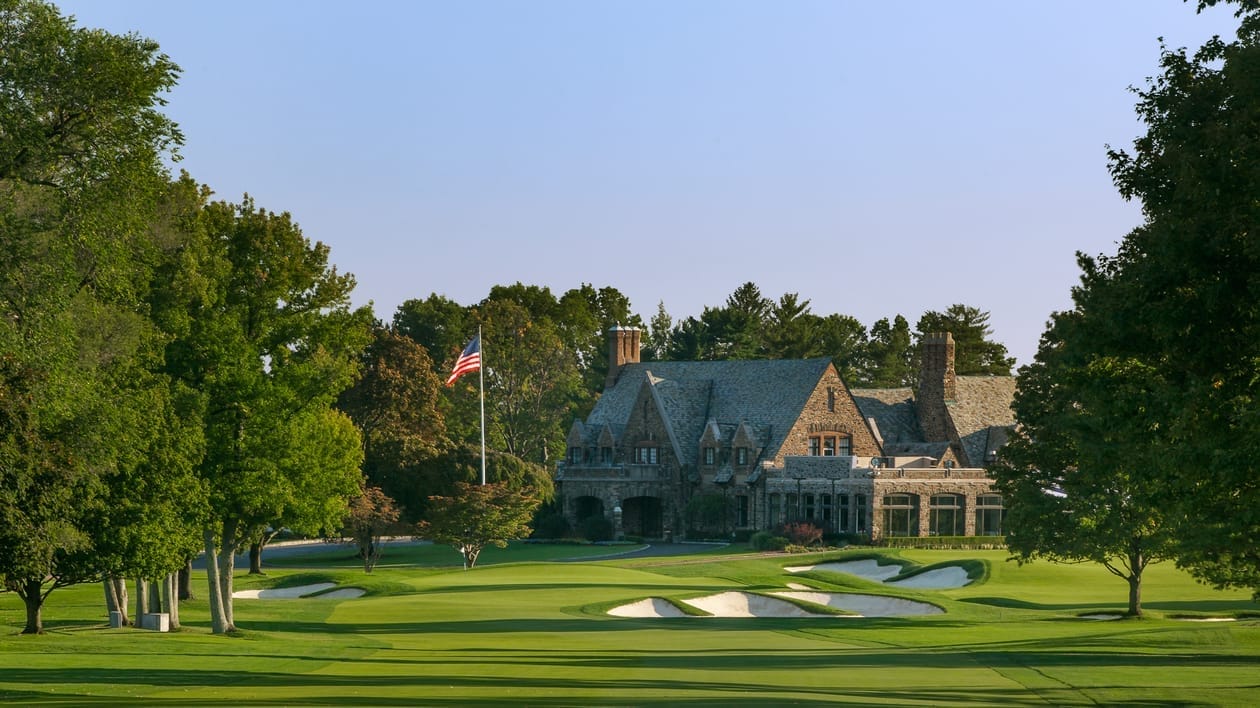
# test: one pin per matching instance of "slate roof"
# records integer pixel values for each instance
(983, 402)
(981, 413)
(767, 395)
(896, 417)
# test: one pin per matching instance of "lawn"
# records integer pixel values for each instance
(534, 633)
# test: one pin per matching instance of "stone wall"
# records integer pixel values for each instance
(830, 408)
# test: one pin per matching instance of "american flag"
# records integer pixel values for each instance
(467, 362)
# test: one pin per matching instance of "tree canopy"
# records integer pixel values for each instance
(1157, 360)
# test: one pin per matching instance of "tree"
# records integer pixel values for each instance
(659, 328)
(478, 516)
(269, 347)
(437, 323)
(843, 338)
(792, 332)
(395, 406)
(890, 355)
(81, 152)
(371, 516)
(1177, 310)
(532, 382)
(974, 353)
(1074, 475)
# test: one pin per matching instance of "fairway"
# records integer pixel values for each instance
(538, 633)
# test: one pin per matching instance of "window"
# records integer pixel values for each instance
(945, 515)
(901, 517)
(826, 508)
(809, 506)
(793, 508)
(859, 508)
(575, 455)
(741, 510)
(773, 511)
(710, 456)
(831, 399)
(842, 517)
(989, 515)
(830, 445)
(606, 455)
(644, 455)
(741, 455)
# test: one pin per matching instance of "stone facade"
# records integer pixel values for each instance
(771, 442)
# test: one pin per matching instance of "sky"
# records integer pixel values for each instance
(877, 158)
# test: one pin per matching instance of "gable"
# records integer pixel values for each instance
(829, 408)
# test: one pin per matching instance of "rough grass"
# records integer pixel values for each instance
(535, 634)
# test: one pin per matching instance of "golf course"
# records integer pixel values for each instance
(535, 625)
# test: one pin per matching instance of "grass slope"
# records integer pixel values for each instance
(534, 633)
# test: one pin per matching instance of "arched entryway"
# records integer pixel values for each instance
(586, 507)
(641, 516)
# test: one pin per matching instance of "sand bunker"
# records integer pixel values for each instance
(936, 579)
(744, 604)
(650, 607)
(866, 605)
(1101, 617)
(300, 591)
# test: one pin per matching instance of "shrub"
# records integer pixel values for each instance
(551, 526)
(766, 541)
(802, 533)
(597, 528)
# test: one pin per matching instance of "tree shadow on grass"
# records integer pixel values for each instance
(378, 687)
(1121, 602)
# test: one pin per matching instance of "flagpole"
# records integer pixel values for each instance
(481, 378)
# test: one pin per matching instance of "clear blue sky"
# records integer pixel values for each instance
(875, 157)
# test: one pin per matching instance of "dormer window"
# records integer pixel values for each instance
(741, 455)
(710, 456)
(575, 455)
(606, 455)
(645, 455)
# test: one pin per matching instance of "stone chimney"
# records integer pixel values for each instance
(623, 348)
(938, 386)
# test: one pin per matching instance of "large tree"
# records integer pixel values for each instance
(532, 382)
(270, 345)
(1075, 474)
(82, 141)
(1179, 306)
(395, 405)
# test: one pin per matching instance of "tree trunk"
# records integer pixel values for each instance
(32, 595)
(255, 558)
(218, 622)
(169, 595)
(113, 601)
(155, 596)
(185, 582)
(1136, 565)
(227, 568)
(120, 590)
(142, 600)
